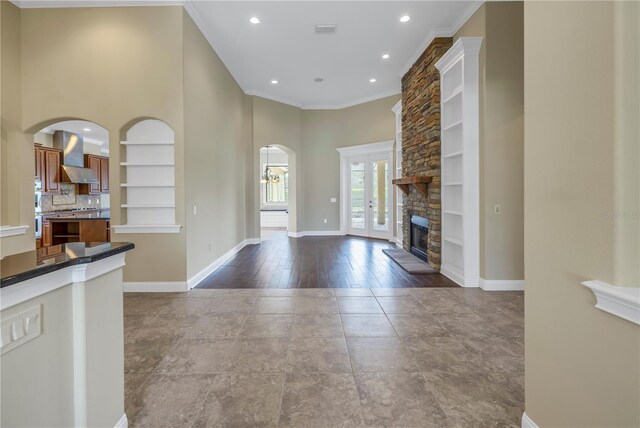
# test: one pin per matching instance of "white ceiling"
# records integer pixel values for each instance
(285, 47)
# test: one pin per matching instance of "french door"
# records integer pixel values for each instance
(369, 196)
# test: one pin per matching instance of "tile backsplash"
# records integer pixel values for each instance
(70, 199)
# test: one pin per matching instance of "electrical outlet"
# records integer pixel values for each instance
(497, 209)
(325, 221)
(195, 210)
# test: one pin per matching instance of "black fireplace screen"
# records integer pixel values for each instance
(419, 231)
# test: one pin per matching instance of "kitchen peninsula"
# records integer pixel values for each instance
(61, 310)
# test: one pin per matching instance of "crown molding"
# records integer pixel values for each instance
(266, 96)
(441, 32)
(52, 4)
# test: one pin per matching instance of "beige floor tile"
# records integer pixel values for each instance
(358, 305)
(259, 355)
(198, 356)
(172, 401)
(413, 325)
(320, 400)
(401, 305)
(399, 400)
(379, 354)
(367, 325)
(316, 305)
(144, 355)
(275, 305)
(315, 355)
(267, 325)
(388, 292)
(317, 325)
(243, 400)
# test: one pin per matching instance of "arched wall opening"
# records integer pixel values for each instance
(278, 188)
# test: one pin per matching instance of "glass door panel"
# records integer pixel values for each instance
(358, 206)
(380, 202)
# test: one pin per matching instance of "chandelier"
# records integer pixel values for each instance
(269, 176)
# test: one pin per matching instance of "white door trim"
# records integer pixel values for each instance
(360, 150)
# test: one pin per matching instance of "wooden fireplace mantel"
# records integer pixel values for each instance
(420, 182)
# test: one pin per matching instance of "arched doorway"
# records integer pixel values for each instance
(71, 178)
(275, 191)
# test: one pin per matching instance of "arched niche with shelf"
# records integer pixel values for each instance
(149, 178)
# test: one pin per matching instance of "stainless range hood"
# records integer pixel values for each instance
(73, 170)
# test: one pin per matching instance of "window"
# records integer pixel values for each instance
(277, 185)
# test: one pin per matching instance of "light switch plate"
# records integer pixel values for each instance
(21, 328)
(334, 200)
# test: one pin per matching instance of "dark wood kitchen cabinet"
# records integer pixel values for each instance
(46, 233)
(47, 168)
(99, 165)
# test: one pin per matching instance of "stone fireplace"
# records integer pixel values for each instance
(421, 145)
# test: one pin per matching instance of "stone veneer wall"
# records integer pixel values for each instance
(421, 142)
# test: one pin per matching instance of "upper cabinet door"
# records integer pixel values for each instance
(37, 152)
(51, 171)
(94, 164)
(104, 175)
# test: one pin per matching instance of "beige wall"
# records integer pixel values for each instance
(323, 131)
(16, 166)
(110, 66)
(501, 64)
(218, 143)
(279, 124)
(582, 364)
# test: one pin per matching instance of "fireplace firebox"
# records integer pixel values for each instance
(419, 231)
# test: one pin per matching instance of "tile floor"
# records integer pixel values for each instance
(419, 357)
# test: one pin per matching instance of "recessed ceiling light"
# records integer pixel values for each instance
(318, 79)
(405, 18)
(385, 56)
(372, 80)
(274, 82)
(86, 129)
(254, 20)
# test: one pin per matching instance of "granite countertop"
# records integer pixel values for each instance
(21, 267)
(94, 215)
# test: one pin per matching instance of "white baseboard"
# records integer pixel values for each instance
(452, 273)
(527, 422)
(316, 233)
(155, 287)
(182, 286)
(502, 284)
(197, 278)
(123, 422)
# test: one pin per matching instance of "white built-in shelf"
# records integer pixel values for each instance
(453, 240)
(460, 163)
(623, 302)
(148, 206)
(146, 143)
(146, 185)
(150, 165)
(453, 125)
(146, 164)
(457, 91)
